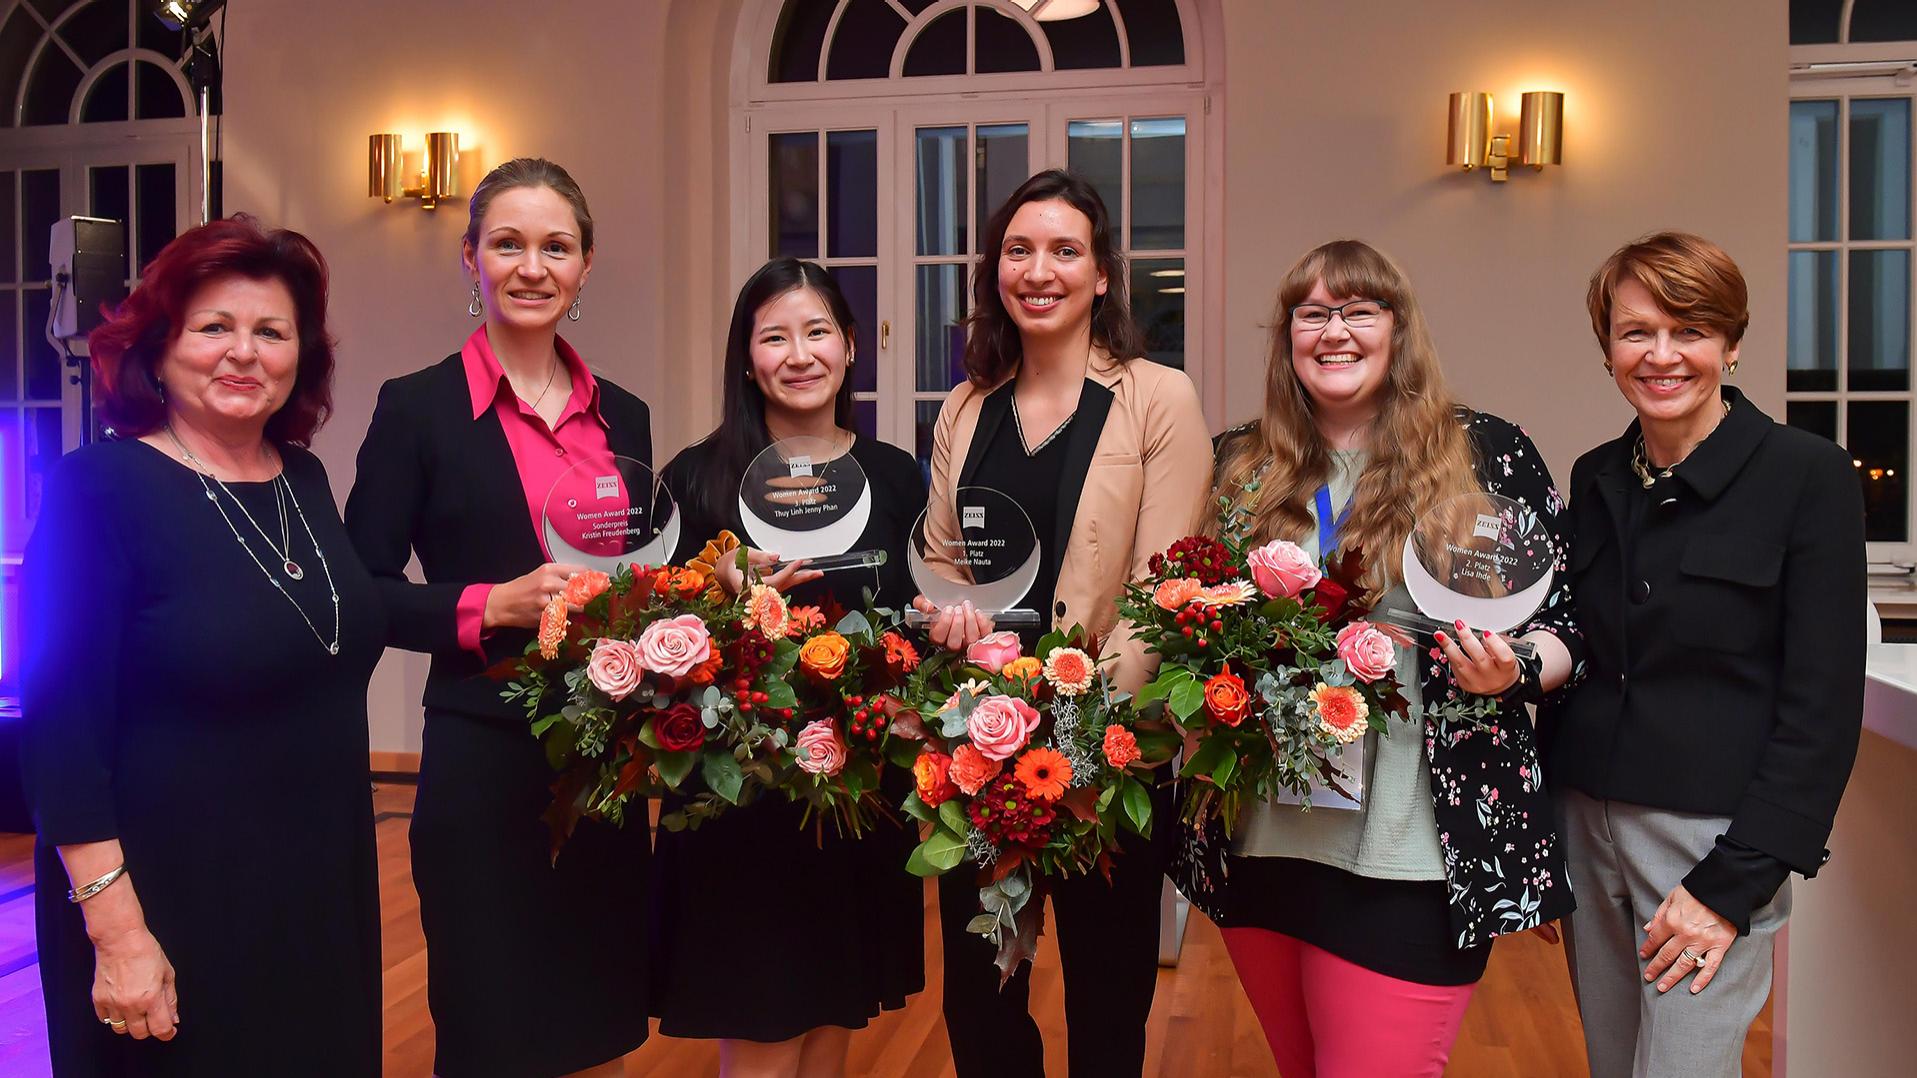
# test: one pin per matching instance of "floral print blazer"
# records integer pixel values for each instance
(1503, 861)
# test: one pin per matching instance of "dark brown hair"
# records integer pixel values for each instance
(1691, 278)
(128, 348)
(528, 172)
(992, 345)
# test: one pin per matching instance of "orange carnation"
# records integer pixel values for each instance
(1226, 698)
(1045, 773)
(1341, 712)
(1174, 594)
(552, 627)
(972, 769)
(582, 588)
(824, 655)
(807, 618)
(674, 581)
(707, 672)
(1069, 670)
(1023, 669)
(1121, 748)
(900, 655)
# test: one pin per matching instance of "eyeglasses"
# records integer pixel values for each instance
(1357, 314)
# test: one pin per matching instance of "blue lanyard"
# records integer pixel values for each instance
(1328, 526)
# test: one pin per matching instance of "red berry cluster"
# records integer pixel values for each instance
(867, 721)
(1195, 620)
(754, 653)
(1194, 556)
(1009, 816)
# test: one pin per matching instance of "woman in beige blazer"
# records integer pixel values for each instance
(1109, 455)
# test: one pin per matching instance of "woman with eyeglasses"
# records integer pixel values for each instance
(1360, 933)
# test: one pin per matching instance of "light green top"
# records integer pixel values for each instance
(1393, 834)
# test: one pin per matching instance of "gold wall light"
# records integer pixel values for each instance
(437, 178)
(1471, 143)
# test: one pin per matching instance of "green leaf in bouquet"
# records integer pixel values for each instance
(781, 694)
(674, 766)
(1211, 753)
(900, 752)
(952, 817)
(853, 623)
(1138, 806)
(916, 808)
(539, 728)
(1169, 677)
(860, 775)
(1105, 797)
(983, 925)
(938, 854)
(722, 774)
(1227, 767)
(785, 656)
(1187, 697)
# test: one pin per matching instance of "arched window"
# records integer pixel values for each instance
(1851, 248)
(878, 136)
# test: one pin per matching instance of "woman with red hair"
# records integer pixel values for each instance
(195, 691)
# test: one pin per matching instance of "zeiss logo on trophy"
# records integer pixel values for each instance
(800, 467)
(974, 517)
(606, 486)
(1489, 526)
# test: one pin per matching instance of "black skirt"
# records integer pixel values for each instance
(534, 968)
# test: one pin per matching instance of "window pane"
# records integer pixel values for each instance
(1097, 152)
(50, 88)
(159, 208)
(1879, 320)
(796, 44)
(865, 418)
(942, 197)
(97, 29)
(939, 351)
(940, 48)
(1814, 22)
(108, 197)
(1158, 306)
(1004, 162)
(1883, 20)
(13, 519)
(1087, 41)
(1811, 354)
(156, 95)
(42, 361)
(1003, 45)
(9, 252)
(852, 192)
(1158, 184)
(1818, 417)
(1880, 169)
(794, 163)
(39, 208)
(926, 418)
(1879, 439)
(861, 287)
(17, 38)
(1813, 171)
(106, 101)
(9, 345)
(1153, 28)
(862, 46)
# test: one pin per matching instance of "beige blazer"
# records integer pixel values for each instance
(1130, 489)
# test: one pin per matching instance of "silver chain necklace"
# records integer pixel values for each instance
(282, 488)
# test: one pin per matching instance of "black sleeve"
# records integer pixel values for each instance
(382, 515)
(1788, 808)
(77, 584)
(1734, 880)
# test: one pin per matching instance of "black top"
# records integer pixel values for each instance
(1723, 642)
(435, 481)
(177, 701)
(1030, 479)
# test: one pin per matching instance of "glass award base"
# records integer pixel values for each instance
(1422, 630)
(858, 559)
(1001, 619)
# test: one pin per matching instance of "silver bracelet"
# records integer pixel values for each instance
(81, 894)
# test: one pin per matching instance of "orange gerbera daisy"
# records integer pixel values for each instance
(1045, 773)
(1341, 712)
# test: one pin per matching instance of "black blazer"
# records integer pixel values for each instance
(435, 481)
(1723, 634)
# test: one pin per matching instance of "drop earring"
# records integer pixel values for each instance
(1731, 367)
(475, 308)
(572, 312)
(1607, 367)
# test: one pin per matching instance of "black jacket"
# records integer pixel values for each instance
(1722, 616)
(435, 481)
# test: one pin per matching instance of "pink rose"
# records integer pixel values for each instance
(615, 668)
(1001, 725)
(673, 646)
(991, 653)
(818, 748)
(1282, 570)
(1366, 651)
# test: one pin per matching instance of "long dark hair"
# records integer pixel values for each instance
(992, 347)
(741, 434)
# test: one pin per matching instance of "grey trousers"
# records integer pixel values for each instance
(1624, 859)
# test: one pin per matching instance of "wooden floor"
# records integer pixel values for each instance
(1522, 1022)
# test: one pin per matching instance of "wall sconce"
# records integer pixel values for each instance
(1469, 140)
(437, 178)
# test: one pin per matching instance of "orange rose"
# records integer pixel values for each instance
(1174, 594)
(972, 769)
(900, 655)
(583, 588)
(931, 773)
(1023, 669)
(1045, 773)
(1226, 698)
(824, 655)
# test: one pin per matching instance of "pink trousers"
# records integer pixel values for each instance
(1325, 1017)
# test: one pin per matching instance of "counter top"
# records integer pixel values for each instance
(1890, 692)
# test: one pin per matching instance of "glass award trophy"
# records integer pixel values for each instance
(1482, 559)
(979, 548)
(607, 512)
(801, 501)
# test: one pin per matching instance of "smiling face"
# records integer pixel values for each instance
(799, 353)
(528, 262)
(1048, 275)
(1667, 368)
(235, 359)
(1342, 367)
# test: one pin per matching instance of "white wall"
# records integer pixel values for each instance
(1333, 125)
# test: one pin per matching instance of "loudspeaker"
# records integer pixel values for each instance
(90, 252)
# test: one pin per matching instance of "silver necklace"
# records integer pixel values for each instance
(543, 390)
(288, 565)
(1019, 425)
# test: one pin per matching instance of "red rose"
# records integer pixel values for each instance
(680, 729)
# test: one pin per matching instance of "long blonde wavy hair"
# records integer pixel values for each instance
(1418, 456)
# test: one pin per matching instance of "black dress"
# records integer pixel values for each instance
(841, 931)
(177, 702)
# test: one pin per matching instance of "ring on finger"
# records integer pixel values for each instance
(1695, 957)
(118, 1025)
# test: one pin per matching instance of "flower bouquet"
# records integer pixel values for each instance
(1030, 765)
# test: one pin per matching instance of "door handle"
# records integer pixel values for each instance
(885, 334)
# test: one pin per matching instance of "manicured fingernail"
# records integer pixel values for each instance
(1459, 625)
(1441, 638)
